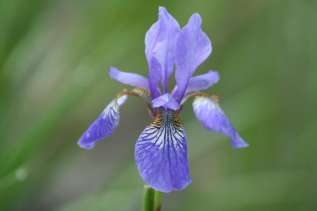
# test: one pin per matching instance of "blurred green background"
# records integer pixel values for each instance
(54, 56)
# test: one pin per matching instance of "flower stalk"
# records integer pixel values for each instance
(152, 199)
(157, 201)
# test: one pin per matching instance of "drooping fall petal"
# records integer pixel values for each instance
(212, 117)
(104, 125)
(161, 154)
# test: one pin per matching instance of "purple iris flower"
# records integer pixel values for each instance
(161, 149)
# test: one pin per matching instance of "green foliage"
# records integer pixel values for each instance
(54, 57)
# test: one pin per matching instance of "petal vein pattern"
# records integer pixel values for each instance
(212, 117)
(161, 153)
(104, 125)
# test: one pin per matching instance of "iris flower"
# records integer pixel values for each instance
(161, 150)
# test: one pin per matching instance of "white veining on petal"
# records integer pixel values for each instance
(212, 117)
(166, 128)
(161, 153)
(122, 99)
(207, 103)
(104, 125)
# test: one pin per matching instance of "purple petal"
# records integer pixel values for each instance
(192, 48)
(154, 77)
(131, 79)
(202, 82)
(160, 45)
(104, 125)
(212, 117)
(166, 101)
(161, 154)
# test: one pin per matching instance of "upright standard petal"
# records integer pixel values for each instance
(213, 118)
(159, 50)
(167, 101)
(161, 154)
(202, 82)
(104, 125)
(192, 48)
(131, 79)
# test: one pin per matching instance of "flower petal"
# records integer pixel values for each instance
(192, 48)
(160, 45)
(154, 77)
(166, 101)
(104, 125)
(202, 82)
(161, 154)
(212, 117)
(131, 79)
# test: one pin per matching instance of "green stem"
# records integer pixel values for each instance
(157, 201)
(148, 199)
(152, 199)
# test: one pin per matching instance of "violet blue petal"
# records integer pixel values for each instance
(166, 101)
(104, 125)
(161, 154)
(202, 82)
(127, 78)
(192, 48)
(160, 45)
(212, 117)
(154, 77)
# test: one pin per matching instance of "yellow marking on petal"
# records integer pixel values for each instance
(215, 98)
(200, 94)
